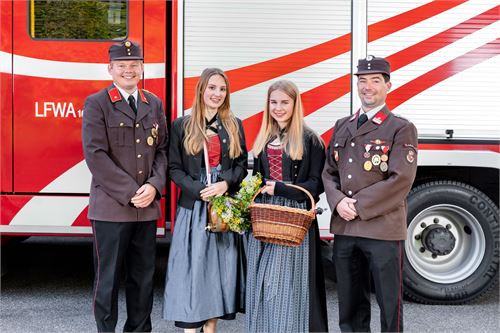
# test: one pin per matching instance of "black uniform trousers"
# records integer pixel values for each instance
(355, 258)
(130, 246)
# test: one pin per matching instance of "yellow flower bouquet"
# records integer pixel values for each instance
(234, 210)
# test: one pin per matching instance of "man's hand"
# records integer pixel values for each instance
(269, 187)
(346, 209)
(144, 196)
(215, 189)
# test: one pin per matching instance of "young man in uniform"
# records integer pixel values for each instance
(124, 138)
(370, 167)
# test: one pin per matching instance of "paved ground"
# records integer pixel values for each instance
(48, 285)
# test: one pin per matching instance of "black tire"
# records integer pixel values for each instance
(467, 223)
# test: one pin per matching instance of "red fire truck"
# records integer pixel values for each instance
(446, 73)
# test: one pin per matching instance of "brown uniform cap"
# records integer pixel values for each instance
(373, 65)
(126, 50)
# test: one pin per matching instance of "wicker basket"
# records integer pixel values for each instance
(279, 224)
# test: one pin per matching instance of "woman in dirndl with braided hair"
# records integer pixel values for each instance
(285, 285)
(205, 273)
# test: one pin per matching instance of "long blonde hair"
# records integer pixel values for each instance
(195, 125)
(292, 141)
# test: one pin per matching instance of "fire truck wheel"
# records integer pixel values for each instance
(451, 254)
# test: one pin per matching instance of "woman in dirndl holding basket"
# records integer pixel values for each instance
(204, 279)
(285, 284)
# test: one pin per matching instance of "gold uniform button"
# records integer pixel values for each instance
(137, 125)
(139, 156)
(138, 140)
(121, 124)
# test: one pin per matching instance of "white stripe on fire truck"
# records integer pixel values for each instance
(74, 180)
(50, 211)
(67, 70)
(41, 210)
(5, 62)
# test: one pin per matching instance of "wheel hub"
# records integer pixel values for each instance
(438, 240)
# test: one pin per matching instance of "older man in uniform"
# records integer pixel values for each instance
(124, 141)
(371, 164)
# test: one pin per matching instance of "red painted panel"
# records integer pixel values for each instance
(46, 144)
(157, 87)
(6, 26)
(155, 31)
(6, 133)
(455, 146)
(6, 100)
(10, 206)
(82, 220)
(74, 51)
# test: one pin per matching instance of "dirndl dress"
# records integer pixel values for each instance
(285, 285)
(205, 271)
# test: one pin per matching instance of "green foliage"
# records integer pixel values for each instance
(70, 19)
(234, 210)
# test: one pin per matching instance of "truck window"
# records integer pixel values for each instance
(69, 19)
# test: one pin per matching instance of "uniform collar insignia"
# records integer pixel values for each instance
(379, 118)
(143, 97)
(114, 95)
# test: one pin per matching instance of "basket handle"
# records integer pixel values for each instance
(313, 204)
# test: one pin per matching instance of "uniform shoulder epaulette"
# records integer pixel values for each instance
(400, 116)
(149, 92)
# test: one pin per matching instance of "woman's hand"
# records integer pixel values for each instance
(215, 189)
(269, 187)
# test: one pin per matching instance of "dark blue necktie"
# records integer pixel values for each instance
(362, 119)
(131, 102)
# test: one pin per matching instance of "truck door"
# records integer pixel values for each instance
(60, 56)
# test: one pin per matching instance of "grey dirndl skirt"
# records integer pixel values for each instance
(278, 282)
(204, 277)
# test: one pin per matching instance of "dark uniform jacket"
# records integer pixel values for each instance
(185, 169)
(380, 190)
(119, 156)
(305, 172)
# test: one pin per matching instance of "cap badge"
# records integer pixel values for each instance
(127, 44)
(369, 58)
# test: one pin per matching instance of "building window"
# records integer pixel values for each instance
(70, 19)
